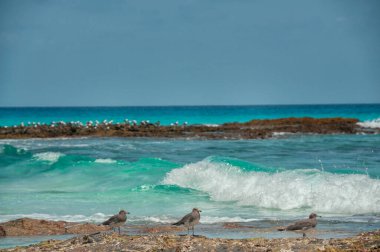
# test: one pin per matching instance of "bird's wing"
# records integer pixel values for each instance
(304, 224)
(186, 218)
(113, 219)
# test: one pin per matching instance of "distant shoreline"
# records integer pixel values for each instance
(254, 129)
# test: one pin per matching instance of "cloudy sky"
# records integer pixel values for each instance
(188, 52)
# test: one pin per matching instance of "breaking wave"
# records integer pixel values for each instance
(370, 123)
(292, 189)
(105, 161)
(51, 157)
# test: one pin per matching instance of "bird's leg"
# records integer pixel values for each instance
(119, 230)
(303, 234)
(193, 230)
(188, 230)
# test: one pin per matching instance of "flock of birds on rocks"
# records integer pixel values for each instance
(94, 124)
(193, 218)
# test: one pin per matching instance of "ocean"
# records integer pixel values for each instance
(261, 183)
(190, 114)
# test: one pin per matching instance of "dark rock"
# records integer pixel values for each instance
(255, 129)
(2, 232)
(33, 227)
(114, 242)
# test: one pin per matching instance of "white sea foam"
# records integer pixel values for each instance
(204, 219)
(51, 157)
(74, 145)
(280, 133)
(100, 217)
(320, 191)
(370, 123)
(156, 219)
(105, 161)
(163, 219)
(214, 219)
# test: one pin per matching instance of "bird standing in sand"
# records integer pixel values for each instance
(190, 220)
(117, 220)
(302, 225)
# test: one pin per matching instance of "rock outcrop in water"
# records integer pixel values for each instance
(33, 227)
(255, 129)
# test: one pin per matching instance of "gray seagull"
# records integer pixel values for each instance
(117, 220)
(190, 220)
(302, 224)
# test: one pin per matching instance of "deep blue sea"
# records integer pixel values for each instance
(190, 114)
(262, 183)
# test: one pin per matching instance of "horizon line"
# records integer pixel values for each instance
(209, 105)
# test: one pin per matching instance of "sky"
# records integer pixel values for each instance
(188, 52)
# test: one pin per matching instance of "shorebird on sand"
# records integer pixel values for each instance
(117, 220)
(190, 220)
(302, 225)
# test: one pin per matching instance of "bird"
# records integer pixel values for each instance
(302, 224)
(190, 220)
(117, 220)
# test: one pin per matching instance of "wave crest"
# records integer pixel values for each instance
(309, 188)
(50, 157)
(105, 161)
(370, 123)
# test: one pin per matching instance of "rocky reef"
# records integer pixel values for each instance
(33, 227)
(255, 129)
(166, 242)
(92, 237)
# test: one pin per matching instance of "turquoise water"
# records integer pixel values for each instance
(190, 114)
(158, 180)
(256, 182)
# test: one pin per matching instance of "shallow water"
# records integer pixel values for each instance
(88, 179)
(9, 242)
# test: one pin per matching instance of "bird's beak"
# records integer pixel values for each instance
(319, 216)
(200, 210)
(128, 213)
